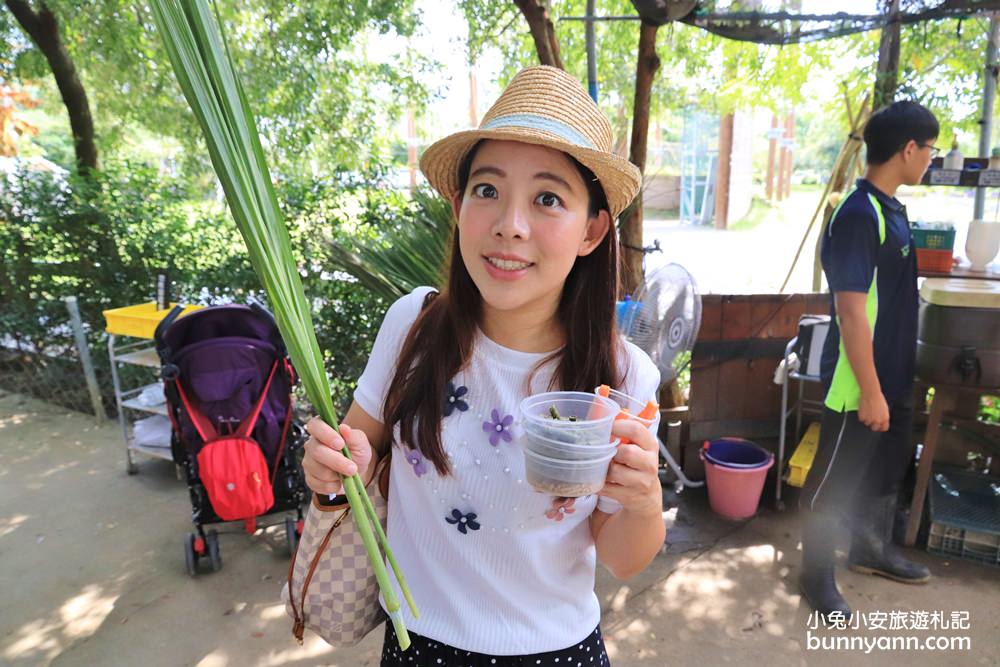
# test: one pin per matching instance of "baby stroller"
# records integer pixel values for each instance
(228, 382)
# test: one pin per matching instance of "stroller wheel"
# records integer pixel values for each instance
(190, 557)
(292, 535)
(212, 542)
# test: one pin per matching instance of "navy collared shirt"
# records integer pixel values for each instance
(868, 248)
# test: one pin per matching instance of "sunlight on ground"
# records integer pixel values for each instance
(8, 526)
(214, 659)
(13, 420)
(275, 611)
(313, 649)
(620, 599)
(720, 592)
(77, 618)
(83, 614)
(68, 465)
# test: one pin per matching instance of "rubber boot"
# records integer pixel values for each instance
(872, 550)
(817, 581)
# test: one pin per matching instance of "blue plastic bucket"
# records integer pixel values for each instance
(736, 453)
(735, 471)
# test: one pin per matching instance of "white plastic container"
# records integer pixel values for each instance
(592, 417)
(982, 243)
(566, 479)
(954, 159)
(565, 451)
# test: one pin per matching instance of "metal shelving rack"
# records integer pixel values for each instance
(148, 434)
(786, 411)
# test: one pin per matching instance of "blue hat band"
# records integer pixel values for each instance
(536, 122)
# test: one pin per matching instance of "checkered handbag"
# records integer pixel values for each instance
(336, 593)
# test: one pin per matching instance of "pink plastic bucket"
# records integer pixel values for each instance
(734, 493)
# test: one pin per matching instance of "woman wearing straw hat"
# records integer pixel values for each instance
(504, 574)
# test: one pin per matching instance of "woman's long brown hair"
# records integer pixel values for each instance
(440, 342)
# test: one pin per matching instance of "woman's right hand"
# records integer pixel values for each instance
(325, 465)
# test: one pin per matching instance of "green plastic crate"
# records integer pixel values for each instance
(964, 515)
(933, 236)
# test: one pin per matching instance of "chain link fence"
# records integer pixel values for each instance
(46, 353)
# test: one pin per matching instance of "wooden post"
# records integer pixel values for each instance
(724, 170)
(782, 169)
(630, 228)
(887, 69)
(847, 156)
(85, 362)
(772, 145)
(790, 150)
(658, 146)
(411, 147)
(944, 400)
(473, 116)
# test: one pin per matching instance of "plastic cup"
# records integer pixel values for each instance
(566, 479)
(632, 405)
(592, 417)
(566, 451)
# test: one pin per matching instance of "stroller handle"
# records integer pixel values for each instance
(162, 327)
(277, 341)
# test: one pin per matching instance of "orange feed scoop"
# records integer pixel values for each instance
(649, 412)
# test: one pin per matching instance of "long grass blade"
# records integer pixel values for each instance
(208, 78)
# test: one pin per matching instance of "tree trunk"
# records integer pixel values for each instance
(631, 224)
(887, 70)
(536, 12)
(43, 29)
(724, 170)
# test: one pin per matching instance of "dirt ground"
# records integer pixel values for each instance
(92, 573)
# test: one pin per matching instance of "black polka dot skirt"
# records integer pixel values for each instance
(424, 652)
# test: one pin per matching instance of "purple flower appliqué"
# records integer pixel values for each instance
(464, 522)
(416, 459)
(453, 399)
(499, 428)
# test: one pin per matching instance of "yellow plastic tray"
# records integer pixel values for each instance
(802, 459)
(139, 320)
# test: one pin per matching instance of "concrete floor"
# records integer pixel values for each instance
(92, 573)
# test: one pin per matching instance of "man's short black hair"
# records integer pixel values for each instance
(892, 127)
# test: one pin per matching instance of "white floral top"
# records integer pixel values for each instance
(494, 566)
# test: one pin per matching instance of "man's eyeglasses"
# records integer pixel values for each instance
(935, 151)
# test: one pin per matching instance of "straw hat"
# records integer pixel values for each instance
(546, 106)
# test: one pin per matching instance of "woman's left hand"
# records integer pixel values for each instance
(633, 478)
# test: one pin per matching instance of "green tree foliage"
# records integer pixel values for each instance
(105, 239)
(698, 69)
(941, 64)
(321, 90)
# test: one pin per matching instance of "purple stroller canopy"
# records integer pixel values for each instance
(223, 355)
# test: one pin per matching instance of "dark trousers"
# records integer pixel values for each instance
(854, 464)
(423, 651)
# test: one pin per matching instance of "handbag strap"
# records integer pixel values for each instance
(298, 627)
(298, 613)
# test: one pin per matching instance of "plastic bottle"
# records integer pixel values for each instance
(954, 158)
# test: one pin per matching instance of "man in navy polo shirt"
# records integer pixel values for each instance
(868, 364)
